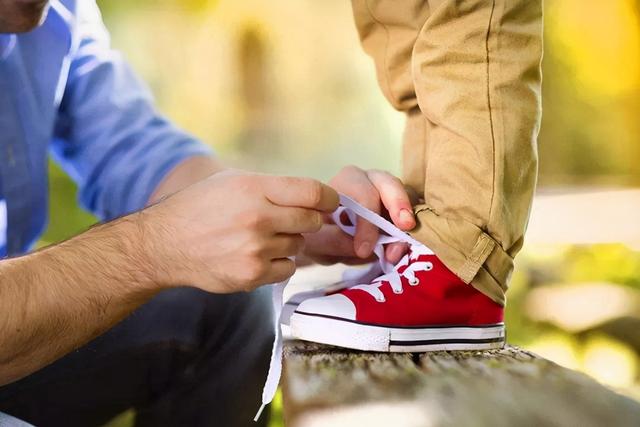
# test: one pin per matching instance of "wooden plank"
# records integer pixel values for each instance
(328, 386)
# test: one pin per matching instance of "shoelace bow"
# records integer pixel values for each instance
(392, 275)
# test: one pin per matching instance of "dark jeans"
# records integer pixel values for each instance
(186, 358)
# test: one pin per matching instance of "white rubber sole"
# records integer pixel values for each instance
(350, 334)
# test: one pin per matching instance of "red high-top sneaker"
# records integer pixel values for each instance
(420, 306)
(417, 305)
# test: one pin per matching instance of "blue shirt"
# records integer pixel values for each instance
(64, 91)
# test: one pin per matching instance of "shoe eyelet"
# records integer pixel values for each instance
(414, 282)
(398, 292)
(381, 299)
(429, 266)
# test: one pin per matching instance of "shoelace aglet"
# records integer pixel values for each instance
(257, 417)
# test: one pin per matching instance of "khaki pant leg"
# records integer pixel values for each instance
(470, 143)
(388, 30)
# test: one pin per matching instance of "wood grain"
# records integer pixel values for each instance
(328, 386)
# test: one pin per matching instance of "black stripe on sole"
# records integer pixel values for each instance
(448, 341)
(326, 316)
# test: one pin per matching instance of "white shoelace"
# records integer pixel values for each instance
(391, 275)
(394, 277)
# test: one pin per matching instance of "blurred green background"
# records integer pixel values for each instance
(283, 86)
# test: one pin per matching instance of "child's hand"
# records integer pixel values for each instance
(380, 192)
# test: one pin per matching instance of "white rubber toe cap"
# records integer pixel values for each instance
(336, 305)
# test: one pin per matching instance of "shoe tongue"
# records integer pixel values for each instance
(419, 253)
(411, 257)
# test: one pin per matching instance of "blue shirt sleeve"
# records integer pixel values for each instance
(108, 136)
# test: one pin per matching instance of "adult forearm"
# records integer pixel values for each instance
(230, 232)
(54, 300)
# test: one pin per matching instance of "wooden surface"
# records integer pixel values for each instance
(327, 386)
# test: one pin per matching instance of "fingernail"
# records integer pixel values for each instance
(406, 216)
(364, 250)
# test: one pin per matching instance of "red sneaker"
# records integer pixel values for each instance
(419, 306)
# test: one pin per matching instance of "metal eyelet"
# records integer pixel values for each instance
(381, 299)
(414, 282)
(398, 292)
(429, 266)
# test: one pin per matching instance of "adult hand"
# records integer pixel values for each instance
(380, 192)
(233, 231)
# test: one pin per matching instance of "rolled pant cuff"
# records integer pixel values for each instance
(466, 250)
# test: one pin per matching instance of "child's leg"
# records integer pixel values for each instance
(467, 73)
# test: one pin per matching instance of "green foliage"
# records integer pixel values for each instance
(276, 419)
(66, 218)
(123, 6)
(125, 419)
(608, 263)
(574, 264)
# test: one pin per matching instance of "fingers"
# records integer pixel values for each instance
(355, 183)
(284, 245)
(394, 198)
(330, 241)
(301, 192)
(301, 201)
(296, 220)
(395, 251)
(280, 269)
